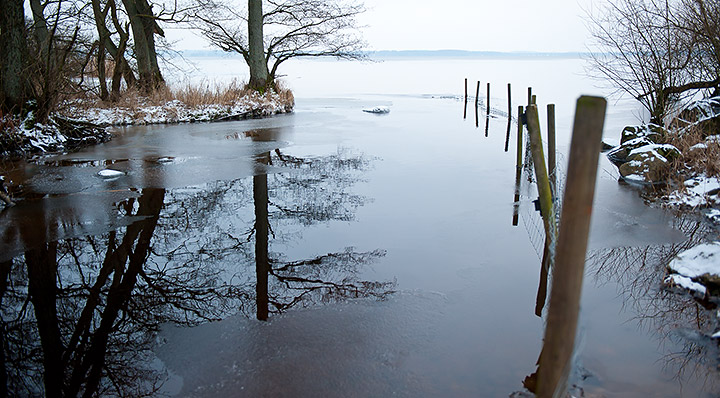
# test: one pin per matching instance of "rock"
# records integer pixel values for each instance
(667, 151)
(621, 153)
(652, 132)
(646, 167)
(380, 110)
(701, 264)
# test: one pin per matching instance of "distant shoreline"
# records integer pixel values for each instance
(415, 54)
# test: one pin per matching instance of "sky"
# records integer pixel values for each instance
(474, 25)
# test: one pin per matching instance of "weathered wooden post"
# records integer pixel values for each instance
(533, 99)
(507, 133)
(466, 92)
(488, 98)
(466, 98)
(509, 100)
(555, 360)
(552, 165)
(518, 167)
(529, 95)
(477, 102)
(487, 126)
(541, 174)
(518, 162)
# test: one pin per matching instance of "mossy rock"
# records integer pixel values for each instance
(647, 167)
(620, 154)
(667, 151)
(652, 132)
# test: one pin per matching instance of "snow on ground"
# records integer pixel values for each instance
(699, 191)
(685, 283)
(75, 125)
(175, 111)
(700, 260)
(694, 267)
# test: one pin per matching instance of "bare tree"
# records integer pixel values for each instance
(658, 51)
(13, 44)
(291, 29)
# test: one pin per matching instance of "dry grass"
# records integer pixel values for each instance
(192, 96)
(697, 159)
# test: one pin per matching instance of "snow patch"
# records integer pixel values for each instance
(685, 283)
(696, 192)
(109, 173)
(703, 259)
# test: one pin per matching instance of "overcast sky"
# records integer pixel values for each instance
(480, 25)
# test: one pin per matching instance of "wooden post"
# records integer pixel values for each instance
(507, 134)
(509, 100)
(487, 126)
(488, 98)
(552, 166)
(477, 94)
(533, 99)
(555, 359)
(518, 162)
(529, 95)
(543, 183)
(518, 168)
(466, 97)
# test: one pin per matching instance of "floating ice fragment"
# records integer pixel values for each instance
(109, 173)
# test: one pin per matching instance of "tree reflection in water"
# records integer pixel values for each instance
(79, 316)
(673, 317)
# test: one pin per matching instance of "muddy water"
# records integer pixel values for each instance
(329, 252)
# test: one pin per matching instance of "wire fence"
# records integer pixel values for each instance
(528, 204)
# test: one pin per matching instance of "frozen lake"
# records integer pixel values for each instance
(379, 249)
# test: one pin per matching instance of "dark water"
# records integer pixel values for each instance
(378, 250)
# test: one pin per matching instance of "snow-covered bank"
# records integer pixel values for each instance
(79, 123)
(697, 269)
(175, 111)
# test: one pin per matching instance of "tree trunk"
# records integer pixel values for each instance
(144, 26)
(13, 44)
(42, 288)
(262, 227)
(259, 74)
(40, 29)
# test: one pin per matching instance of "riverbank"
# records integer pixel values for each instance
(81, 122)
(678, 167)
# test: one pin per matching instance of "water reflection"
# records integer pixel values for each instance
(682, 323)
(80, 311)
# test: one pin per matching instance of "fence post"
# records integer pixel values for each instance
(509, 100)
(466, 98)
(518, 167)
(466, 92)
(552, 165)
(541, 174)
(555, 359)
(488, 98)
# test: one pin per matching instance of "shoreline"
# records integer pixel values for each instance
(83, 122)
